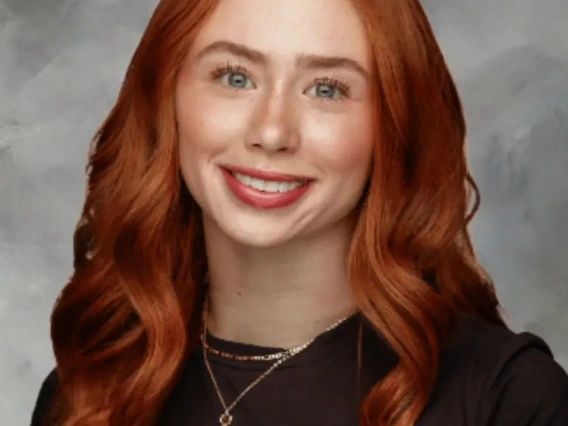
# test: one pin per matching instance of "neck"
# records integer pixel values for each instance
(279, 296)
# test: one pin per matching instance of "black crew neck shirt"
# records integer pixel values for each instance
(487, 376)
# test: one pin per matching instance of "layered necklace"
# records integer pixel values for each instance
(226, 418)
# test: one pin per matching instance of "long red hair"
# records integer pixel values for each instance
(123, 325)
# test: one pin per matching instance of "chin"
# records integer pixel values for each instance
(256, 234)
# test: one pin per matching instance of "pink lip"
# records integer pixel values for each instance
(269, 176)
(264, 200)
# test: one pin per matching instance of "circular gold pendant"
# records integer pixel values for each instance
(225, 419)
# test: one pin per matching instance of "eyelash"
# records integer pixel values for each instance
(343, 88)
(228, 67)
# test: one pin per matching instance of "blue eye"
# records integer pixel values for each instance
(329, 89)
(233, 77)
(326, 91)
(236, 80)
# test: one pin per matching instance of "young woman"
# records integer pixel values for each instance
(275, 234)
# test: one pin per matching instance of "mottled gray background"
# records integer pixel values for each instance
(61, 64)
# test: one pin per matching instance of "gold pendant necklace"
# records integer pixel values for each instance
(226, 417)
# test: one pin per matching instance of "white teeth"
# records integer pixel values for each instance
(267, 186)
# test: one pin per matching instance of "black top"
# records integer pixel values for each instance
(488, 376)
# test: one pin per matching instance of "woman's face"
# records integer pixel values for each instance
(275, 115)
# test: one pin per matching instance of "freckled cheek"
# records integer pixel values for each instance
(210, 125)
(343, 146)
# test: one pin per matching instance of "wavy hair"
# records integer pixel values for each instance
(129, 315)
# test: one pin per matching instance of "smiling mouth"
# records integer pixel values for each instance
(269, 186)
(265, 190)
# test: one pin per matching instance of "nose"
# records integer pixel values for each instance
(273, 127)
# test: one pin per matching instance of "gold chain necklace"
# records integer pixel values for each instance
(226, 417)
(268, 357)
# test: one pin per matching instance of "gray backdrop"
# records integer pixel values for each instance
(61, 63)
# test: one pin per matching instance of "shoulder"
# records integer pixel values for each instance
(44, 398)
(508, 378)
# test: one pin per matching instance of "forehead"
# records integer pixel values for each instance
(289, 27)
